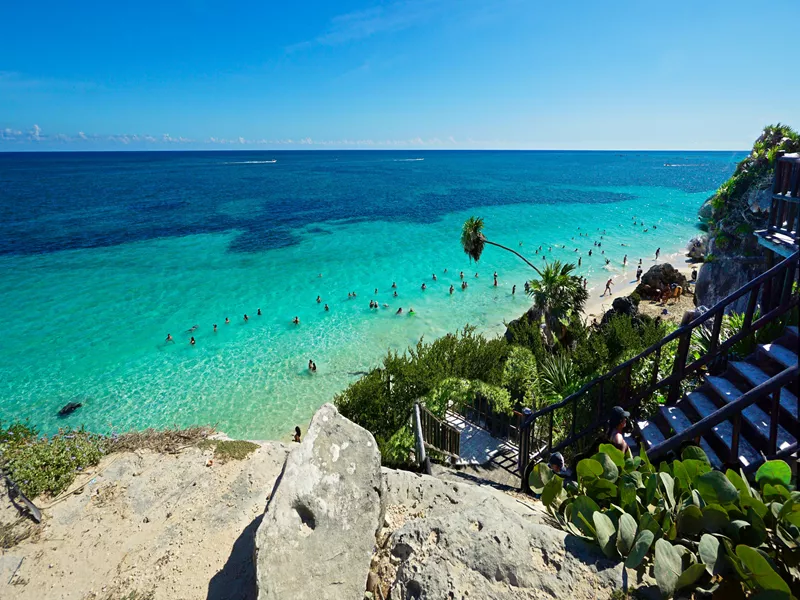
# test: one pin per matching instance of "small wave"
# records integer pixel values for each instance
(671, 165)
(251, 162)
(407, 159)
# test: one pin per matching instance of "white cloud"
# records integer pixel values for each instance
(36, 133)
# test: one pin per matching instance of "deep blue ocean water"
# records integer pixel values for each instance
(103, 254)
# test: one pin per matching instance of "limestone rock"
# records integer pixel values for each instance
(623, 305)
(659, 278)
(318, 533)
(720, 278)
(462, 541)
(697, 247)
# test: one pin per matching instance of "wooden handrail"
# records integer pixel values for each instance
(726, 412)
(680, 370)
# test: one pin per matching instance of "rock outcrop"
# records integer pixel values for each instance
(461, 541)
(659, 278)
(722, 277)
(623, 305)
(318, 532)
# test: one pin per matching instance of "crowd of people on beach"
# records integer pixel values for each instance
(597, 245)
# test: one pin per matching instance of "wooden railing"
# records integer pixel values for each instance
(573, 422)
(784, 212)
(770, 388)
(505, 427)
(436, 434)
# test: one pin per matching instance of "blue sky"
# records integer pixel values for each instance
(695, 74)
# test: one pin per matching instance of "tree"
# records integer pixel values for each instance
(557, 294)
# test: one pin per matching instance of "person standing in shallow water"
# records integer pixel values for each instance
(296, 435)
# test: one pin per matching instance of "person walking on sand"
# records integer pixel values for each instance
(638, 273)
(625, 261)
(513, 289)
(579, 261)
(609, 283)
(658, 253)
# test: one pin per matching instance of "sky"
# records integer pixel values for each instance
(421, 74)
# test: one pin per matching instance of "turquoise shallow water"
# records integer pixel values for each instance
(87, 322)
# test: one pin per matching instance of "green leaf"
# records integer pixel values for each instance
(614, 453)
(668, 486)
(645, 460)
(651, 489)
(715, 488)
(648, 523)
(540, 475)
(601, 490)
(695, 453)
(552, 490)
(760, 570)
(588, 469)
(690, 521)
(626, 533)
(755, 503)
(712, 554)
(681, 475)
(667, 567)
(585, 507)
(641, 545)
(774, 472)
(744, 532)
(610, 470)
(715, 518)
(695, 468)
(627, 496)
(606, 534)
(690, 575)
(739, 483)
(774, 493)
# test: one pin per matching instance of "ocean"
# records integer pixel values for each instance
(104, 254)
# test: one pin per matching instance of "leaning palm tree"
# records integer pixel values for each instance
(557, 295)
(473, 241)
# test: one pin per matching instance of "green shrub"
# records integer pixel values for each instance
(692, 527)
(48, 465)
(635, 298)
(521, 376)
(527, 332)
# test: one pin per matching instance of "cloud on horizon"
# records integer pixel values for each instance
(10, 138)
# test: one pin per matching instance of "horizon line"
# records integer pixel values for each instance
(350, 149)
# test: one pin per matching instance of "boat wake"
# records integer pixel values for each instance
(252, 162)
(407, 159)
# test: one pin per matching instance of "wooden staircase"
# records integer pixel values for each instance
(767, 427)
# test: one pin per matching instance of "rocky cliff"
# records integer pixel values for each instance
(739, 207)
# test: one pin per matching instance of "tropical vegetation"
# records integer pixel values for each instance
(695, 530)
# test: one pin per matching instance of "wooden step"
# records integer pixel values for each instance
(651, 434)
(780, 354)
(724, 431)
(679, 422)
(754, 415)
(755, 377)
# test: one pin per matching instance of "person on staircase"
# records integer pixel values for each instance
(617, 422)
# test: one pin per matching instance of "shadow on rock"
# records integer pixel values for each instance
(237, 579)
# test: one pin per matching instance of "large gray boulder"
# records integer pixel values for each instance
(459, 541)
(659, 278)
(720, 278)
(318, 533)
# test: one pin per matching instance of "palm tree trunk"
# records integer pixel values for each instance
(529, 263)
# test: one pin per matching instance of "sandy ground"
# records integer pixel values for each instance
(145, 526)
(625, 284)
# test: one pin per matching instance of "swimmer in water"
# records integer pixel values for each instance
(451, 289)
(434, 276)
(313, 367)
(394, 285)
(625, 260)
(215, 328)
(258, 312)
(326, 307)
(495, 281)
(319, 299)
(476, 275)
(590, 252)
(191, 341)
(579, 261)
(607, 261)
(310, 365)
(376, 290)
(349, 295)
(462, 274)
(169, 338)
(513, 289)
(399, 311)
(424, 287)
(227, 321)
(192, 329)
(411, 311)
(246, 318)
(394, 295)
(354, 294)
(296, 321)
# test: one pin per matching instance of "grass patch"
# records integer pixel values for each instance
(225, 450)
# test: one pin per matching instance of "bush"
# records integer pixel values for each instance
(693, 527)
(635, 298)
(48, 465)
(521, 376)
(527, 332)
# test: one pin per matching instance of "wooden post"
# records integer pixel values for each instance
(718, 318)
(773, 422)
(751, 306)
(766, 294)
(550, 433)
(679, 367)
